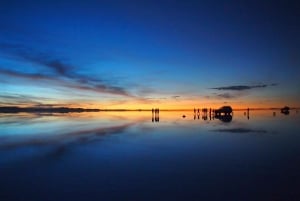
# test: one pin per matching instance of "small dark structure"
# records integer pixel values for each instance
(225, 110)
(155, 114)
(224, 114)
(204, 110)
(285, 110)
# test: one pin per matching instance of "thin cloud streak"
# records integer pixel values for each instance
(227, 95)
(73, 84)
(243, 87)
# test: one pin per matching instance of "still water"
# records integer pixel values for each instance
(135, 156)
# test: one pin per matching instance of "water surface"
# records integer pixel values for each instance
(135, 156)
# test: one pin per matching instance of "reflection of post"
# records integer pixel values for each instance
(204, 113)
(248, 113)
(152, 115)
(156, 115)
(196, 113)
(274, 114)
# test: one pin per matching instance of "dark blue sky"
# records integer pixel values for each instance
(144, 53)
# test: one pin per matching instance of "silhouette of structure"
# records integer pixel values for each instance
(155, 115)
(225, 110)
(224, 114)
(285, 110)
(196, 113)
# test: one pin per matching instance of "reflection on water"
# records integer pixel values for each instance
(156, 155)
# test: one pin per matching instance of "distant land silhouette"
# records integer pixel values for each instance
(44, 110)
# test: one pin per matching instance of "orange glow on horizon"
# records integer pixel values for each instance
(168, 105)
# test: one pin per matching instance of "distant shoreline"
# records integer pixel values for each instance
(79, 110)
(44, 110)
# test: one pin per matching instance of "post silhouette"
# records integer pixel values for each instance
(155, 115)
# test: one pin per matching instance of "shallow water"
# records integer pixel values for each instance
(135, 156)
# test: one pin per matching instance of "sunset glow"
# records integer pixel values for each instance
(142, 55)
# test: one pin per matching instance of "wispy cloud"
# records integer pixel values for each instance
(70, 83)
(20, 52)
(243, 87)
(21, 100)
(63, 74)
(227, 95)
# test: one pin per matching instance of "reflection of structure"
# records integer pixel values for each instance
(285, 110)
(196, 113)
(204, 113)
(248, 113)
(155, 115)
(224, 118)
(224, 114)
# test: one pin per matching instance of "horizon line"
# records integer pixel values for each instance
(15, 109)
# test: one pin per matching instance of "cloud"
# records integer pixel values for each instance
(20, 52)
(227, 95)
(21, 100)
(236, 91)
(72, 84)
(28, 100)
(243, 87)
(63, 74)
(32, 76)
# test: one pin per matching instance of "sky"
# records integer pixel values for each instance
(146, 54)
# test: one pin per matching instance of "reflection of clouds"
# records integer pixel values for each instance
(66, 139)
(6, 119)
(240, 130)
(26, 118)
